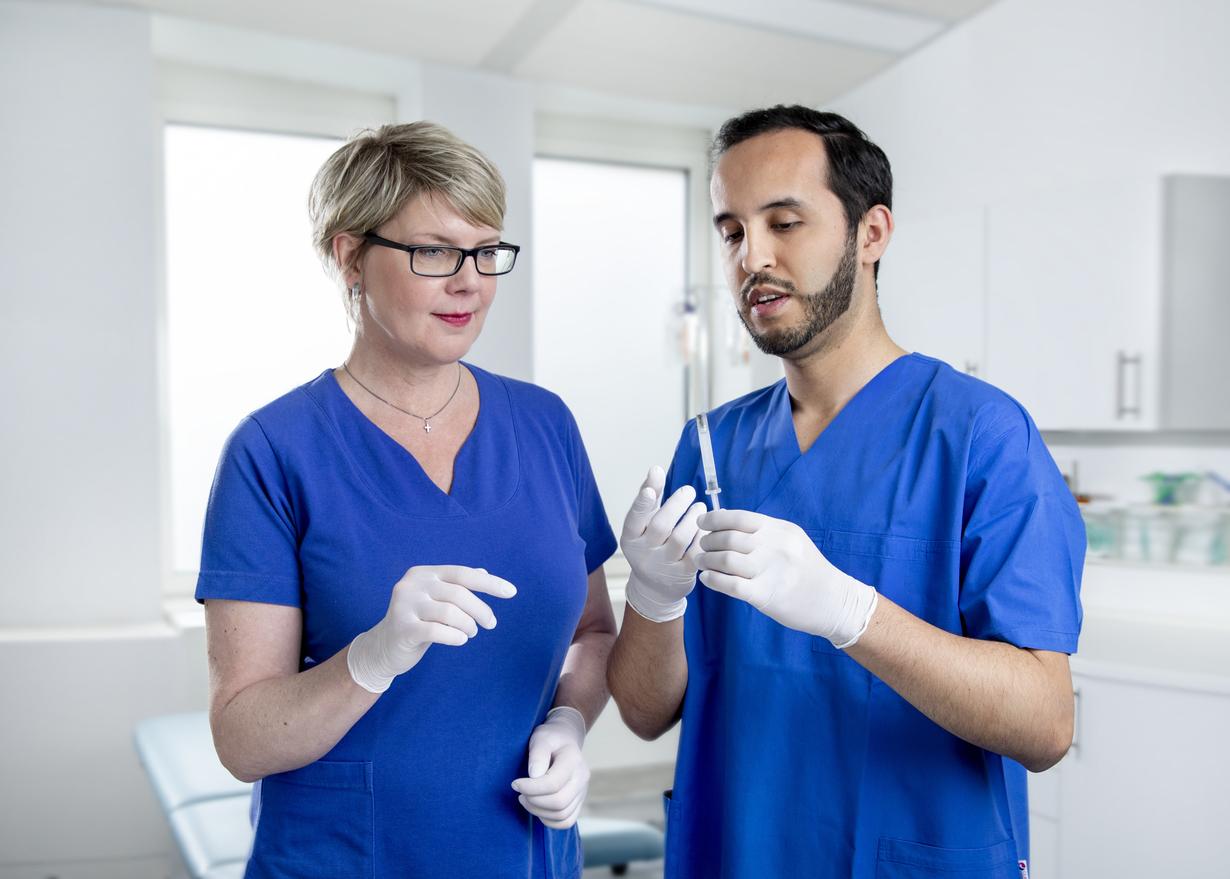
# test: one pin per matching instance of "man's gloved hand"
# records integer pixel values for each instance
(774, 566)
(659, 544)
(558, 777)
(431, 604)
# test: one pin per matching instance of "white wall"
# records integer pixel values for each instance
(496, 114)
(79, 531)
(1034, 94)
(78, 335)
(74, 802)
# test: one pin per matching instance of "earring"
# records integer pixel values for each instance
(354, 290)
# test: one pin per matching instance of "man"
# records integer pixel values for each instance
(891, 592)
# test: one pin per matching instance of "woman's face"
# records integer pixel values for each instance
(426, 321)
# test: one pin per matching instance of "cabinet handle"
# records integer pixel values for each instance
(1074, 748)
(1121, 408)
(971, 368)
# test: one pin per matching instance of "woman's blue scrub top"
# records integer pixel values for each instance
(315, 507)
(794, 760)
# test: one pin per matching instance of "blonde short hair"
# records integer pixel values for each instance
(377, 172)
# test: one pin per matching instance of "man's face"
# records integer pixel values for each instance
(789, 260)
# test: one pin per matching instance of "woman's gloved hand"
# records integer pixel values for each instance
(558, 778)
(659, 544)
(774, 566)
(431, 604)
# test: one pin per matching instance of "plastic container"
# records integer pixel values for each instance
(1103, 530)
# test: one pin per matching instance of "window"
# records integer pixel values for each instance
(250, 311)
(610, 271)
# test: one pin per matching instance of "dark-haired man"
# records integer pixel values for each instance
(893, 587)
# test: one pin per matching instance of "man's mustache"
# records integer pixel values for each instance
(761, 279)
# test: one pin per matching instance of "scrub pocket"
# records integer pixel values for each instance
(906, 570)
(899, 859)
(317, 822)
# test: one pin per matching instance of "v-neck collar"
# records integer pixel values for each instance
(785, 441)
(396, 477)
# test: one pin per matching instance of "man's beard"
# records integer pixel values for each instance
(820, 309)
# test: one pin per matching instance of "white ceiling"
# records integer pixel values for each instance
(718, 53)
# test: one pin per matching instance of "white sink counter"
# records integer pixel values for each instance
(1149, 624)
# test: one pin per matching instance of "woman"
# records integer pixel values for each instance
(365, 533)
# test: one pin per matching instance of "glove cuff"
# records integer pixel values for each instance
(859, 607)
(641, 599)
(364, 671)
(570, 717)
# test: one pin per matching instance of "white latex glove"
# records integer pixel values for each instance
(558, 777)
(658, 542)
(431, 604)
(774, 566)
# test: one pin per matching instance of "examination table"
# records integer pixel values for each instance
(207, 807)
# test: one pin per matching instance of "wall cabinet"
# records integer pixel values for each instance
(1073, 307)
(1100, 306)
(1142, 792)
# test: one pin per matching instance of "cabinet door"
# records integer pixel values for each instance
(1073, 304)
(1043, 848)
(1195, 393)
(932, 287)
(1143, 790)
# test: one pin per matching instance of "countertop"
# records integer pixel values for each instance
(1167, 626)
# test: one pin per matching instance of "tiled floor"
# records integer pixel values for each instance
(635, 794)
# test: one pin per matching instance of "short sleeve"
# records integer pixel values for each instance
(249, 551)
(1023, 543)
(592, 524)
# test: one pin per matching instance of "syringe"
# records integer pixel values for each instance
(706, 461)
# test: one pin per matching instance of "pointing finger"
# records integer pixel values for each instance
(477, 580)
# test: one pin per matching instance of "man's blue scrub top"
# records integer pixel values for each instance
(315, 507)
(936, 489)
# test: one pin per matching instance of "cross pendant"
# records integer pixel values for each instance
(426, 426)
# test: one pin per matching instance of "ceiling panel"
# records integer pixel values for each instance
(947, 10)
(851, 24)
(458, 32)
(647, 52)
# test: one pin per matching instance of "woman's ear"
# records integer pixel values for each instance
(346, 247)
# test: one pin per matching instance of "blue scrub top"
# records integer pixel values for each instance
(315, 507)
(794, 760)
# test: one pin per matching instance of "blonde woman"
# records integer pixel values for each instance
(366, 533)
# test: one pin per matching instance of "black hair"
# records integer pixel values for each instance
(859, 173)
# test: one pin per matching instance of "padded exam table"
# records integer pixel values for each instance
(207, 807)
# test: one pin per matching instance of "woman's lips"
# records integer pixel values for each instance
(456, 320)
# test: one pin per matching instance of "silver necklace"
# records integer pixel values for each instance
(425, 419)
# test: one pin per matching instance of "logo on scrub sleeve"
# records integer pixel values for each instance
(1023, 866)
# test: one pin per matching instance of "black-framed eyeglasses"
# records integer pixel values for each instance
(440, 261)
